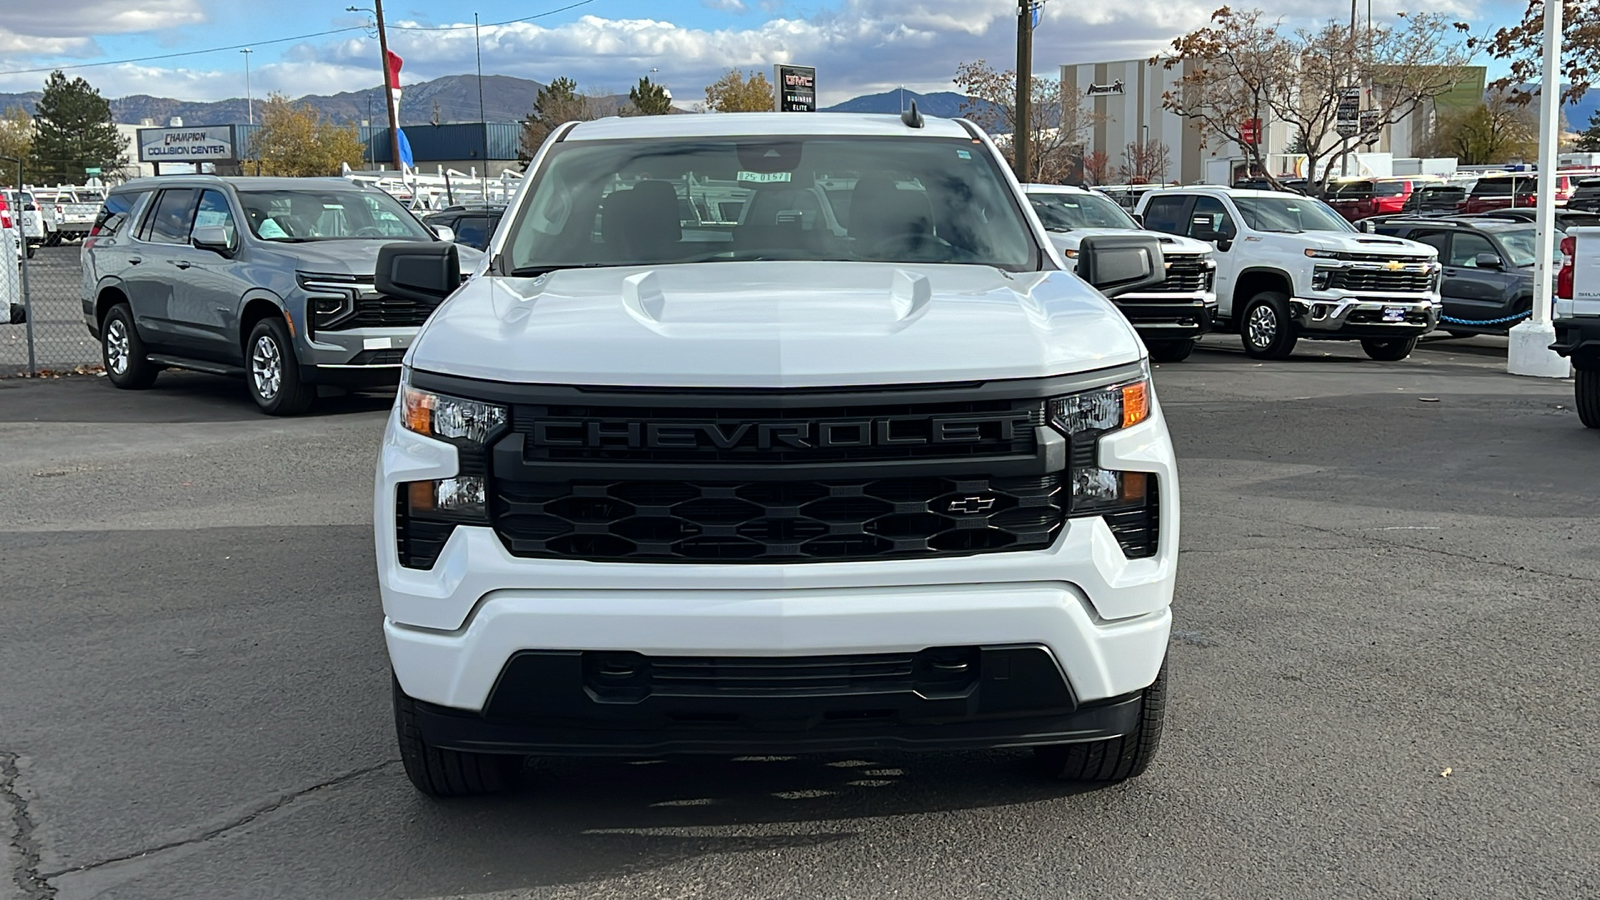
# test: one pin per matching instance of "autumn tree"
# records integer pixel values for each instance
(1239, 68)
(1056, 128)
(1145, 162)
(734, 92)
(1498, 130)
(1096, 168)
(297, 142)
(73, 131)
(16, 141)
(650, 99)
(556, 104)
(1522, 45)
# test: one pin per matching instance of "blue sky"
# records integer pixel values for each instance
(859, 46)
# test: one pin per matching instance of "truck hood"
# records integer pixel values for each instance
(1363, 243)
(774, 325)
(1170, 243)
(353, 257)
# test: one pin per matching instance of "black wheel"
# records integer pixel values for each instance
(273, 371)
(447, 773)
(1586, 389)
(1265, 327)
(122, 351)
(1171, 351)
(1391, 350)
(1118, 758)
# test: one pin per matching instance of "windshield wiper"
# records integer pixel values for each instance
(536, 271)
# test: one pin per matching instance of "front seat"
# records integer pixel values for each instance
(641, 224)
(880, 210)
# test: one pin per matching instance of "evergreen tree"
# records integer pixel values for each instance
(556, 104)
(73, 131)
(1589, 139)
(650, 99)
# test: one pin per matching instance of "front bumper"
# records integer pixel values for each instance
(359, 357)
(1104, 619)
(1365, 317)
(1173, 316)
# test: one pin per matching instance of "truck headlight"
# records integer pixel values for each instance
(1128, 500)
(454, 419)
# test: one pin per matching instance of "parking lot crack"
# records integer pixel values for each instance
(282, 800)
(25, 872)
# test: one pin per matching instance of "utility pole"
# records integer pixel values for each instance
(478, 47)
(1024, 114)
(389, 86)
(249, 104)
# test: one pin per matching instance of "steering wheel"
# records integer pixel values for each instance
(917, 241)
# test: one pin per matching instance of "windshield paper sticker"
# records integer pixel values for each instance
(764, 177)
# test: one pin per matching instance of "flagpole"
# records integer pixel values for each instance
(388, 90)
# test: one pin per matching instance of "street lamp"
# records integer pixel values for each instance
(249, 103)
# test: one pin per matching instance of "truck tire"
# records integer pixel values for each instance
(1115, 759)
(122, 351)
(446, 773)
(1586, 389)
(1389, 351)
(1171, 351)
(1265, 328)
(273, 371)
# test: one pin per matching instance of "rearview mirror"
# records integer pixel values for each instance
(213, 238)
(1487, 261)
(1119, 264)
(418, 270)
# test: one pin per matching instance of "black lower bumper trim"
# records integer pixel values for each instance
(623, 704)
(1578, 339)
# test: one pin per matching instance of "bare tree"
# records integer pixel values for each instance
(1146, 162)
(1096, 168)
(1523, 45)
(1499, 130)
(1056, 126)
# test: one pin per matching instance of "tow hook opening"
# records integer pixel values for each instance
(1321, 311)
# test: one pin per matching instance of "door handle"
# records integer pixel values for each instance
(135, 261)
(181, 263)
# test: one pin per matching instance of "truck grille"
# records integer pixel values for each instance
(1379, 280)
(378, 311)
(777, 521)
(1187, 274)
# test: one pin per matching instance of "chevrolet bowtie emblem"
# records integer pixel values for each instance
(1394, 265)
(970, 506)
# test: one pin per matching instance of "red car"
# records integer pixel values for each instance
(1519, 189)
(1365, 197)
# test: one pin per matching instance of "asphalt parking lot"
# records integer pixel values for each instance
(1385, 676)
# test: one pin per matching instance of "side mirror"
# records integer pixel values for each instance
(1488, 261)
(418, 270)
(1137, 219)
(1119, 264)
(445, 233)
(213, 238)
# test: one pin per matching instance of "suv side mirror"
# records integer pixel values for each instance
(445, 233)
(1488, 261)
(425, 271)
(1119, 264)
(213, 238)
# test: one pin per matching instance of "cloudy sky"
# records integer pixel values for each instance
(859, 46)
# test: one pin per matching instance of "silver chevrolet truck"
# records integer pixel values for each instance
(268, 278)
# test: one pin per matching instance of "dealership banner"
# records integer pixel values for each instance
(796, 88)
(205, 143)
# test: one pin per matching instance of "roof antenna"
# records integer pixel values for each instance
(911, 117)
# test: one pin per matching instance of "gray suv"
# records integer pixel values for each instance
(269, 278)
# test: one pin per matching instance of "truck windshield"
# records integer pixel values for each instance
(1070, 212)
(1290, 215)
(308, 215)
(679, 200)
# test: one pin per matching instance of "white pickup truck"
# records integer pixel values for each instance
(74, 211)
(1289, 267)
(1577, 318)
(29, 219)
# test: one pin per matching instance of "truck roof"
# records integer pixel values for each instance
(759, 124)
(242, 182)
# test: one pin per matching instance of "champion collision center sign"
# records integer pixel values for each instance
(205, 143)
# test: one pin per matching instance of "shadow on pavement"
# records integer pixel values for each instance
(176, 397)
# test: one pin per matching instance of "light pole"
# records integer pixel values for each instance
(388, 82)
(249, 103)
(1020, 132)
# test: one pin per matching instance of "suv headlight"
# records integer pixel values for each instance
(1128, 500)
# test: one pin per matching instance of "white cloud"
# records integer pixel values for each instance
(733, 6)
(82, 18)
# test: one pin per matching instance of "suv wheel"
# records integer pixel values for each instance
(122, 351)
(447, 773)
(1171, 351)
(1118, 758)
(1265, 327)
(1586, 388)
(273, 371)
(1390, 350)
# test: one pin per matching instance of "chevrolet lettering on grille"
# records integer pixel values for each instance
(793, 434)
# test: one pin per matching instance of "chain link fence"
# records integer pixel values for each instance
(47, 283)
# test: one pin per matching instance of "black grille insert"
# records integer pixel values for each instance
(797, 521)
(1187, 275)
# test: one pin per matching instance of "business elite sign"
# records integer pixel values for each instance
(207, 143)
(796, 88)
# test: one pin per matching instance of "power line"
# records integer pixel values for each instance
(285, 40)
